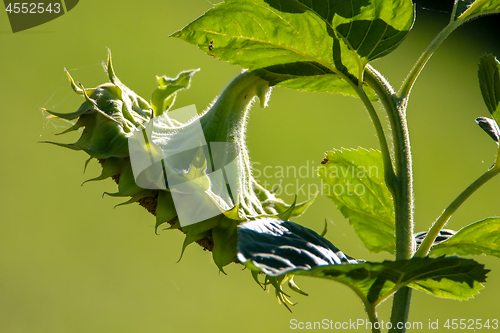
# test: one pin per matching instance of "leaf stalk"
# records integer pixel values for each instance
(390, 176)
(403, 191)
(451, 209)
(372, 315)
(408, 83)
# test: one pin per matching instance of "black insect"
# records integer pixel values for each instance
(211, 45)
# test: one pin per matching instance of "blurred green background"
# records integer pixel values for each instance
(69, 262)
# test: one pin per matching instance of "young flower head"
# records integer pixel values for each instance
(194, 175)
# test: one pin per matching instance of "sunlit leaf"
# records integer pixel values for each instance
(296, 43)
(482, 237)
(354, 181)
(468, 9)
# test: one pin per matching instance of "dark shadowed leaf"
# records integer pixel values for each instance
(490, 127)
(276, 247)
(281, 249)
(460, 7)
(444, 234)
(489, 82)
(482, 237)
(354, 181)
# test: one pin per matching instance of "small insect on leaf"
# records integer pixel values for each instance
(211, 45)
(325, 160)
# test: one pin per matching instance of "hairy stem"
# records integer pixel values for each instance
(388, 98)
(400, 309)
(372, 315)
(404, 197)
(389, 174)
(370, 309)
(403, 191)
(450, 210)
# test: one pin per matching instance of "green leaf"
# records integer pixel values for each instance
(163, 97)
(295, 43)
(469, 9)
(277, 247)
(489, 82)
(310, 77)
(482, 237)
(455, 278)
(281, 249)
(354, 180)
(449, 289)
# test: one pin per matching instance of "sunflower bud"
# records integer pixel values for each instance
(193, 175)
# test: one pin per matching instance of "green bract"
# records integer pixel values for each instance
(112, 114)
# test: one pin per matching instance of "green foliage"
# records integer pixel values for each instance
(276, 247)
(281, 249)
(455, 278)
(489, 82)
(112, 112)
(354, 181)
(469, 9)
(320, 46)
(325, 47)
(329, 55)
(482, 237)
